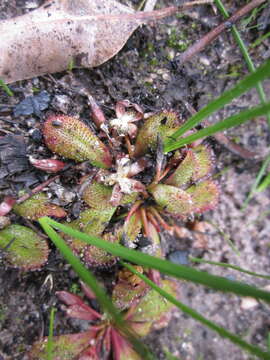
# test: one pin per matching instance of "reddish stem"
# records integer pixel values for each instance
(117, 343)
(145, 223)
(129, 146)
(133, 209)
(165, 172)
(153, 221)
(160, 219)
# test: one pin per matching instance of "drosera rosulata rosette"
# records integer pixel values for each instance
(146, 310)
(180, 187)
(133, 189)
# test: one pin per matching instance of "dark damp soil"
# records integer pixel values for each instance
(145, 72)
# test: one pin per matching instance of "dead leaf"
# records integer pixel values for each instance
(61, 33)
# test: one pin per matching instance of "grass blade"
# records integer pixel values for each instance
(245, 53)
(228, 123)
(257, 181)
(195, 315)
(88, 278)
(264, 184)
(225, 265)
(248, 82)
(164, 266)
(6, 88)
(50, 337)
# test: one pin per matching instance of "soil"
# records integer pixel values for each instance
(145, 72)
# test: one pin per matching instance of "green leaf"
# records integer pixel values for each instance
(128, 233)
(98, 196)
(164, 266)
(128, 289)
(71, 138)
(153, 311)
(66, 347)
(161, 124)
(184, 171)
(23, 248)
(172, 200)
(93, 222)
(37, 206)
(197, 164)
(204, 196)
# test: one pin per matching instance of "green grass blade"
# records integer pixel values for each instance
(225, 265)
(50, 337)
(164, 266)
(228, 123)
(264, 184)
(268, 342)
(245, 53)
(6, 88)
(257, 181)
(248, 82)
(88, 278)
(260, 40)
(195, 315)
(169, 356)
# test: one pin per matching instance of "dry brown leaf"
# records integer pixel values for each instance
(85, 33)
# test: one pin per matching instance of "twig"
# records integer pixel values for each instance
(37, 189)
(146, 16)
(213, 34)
(225, 141)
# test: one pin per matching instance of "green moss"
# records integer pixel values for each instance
(154, 62)
(148, 50)
(2, 313)
(74, 288)
(177, 40)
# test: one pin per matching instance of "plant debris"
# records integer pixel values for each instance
(33, 105)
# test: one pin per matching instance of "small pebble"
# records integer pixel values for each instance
(4, 221)
(32, 104)
(36, 135)
(179, 257)
(61, 103)
(204, 60)
(144, 241)
(248, 303)
(253, 140)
